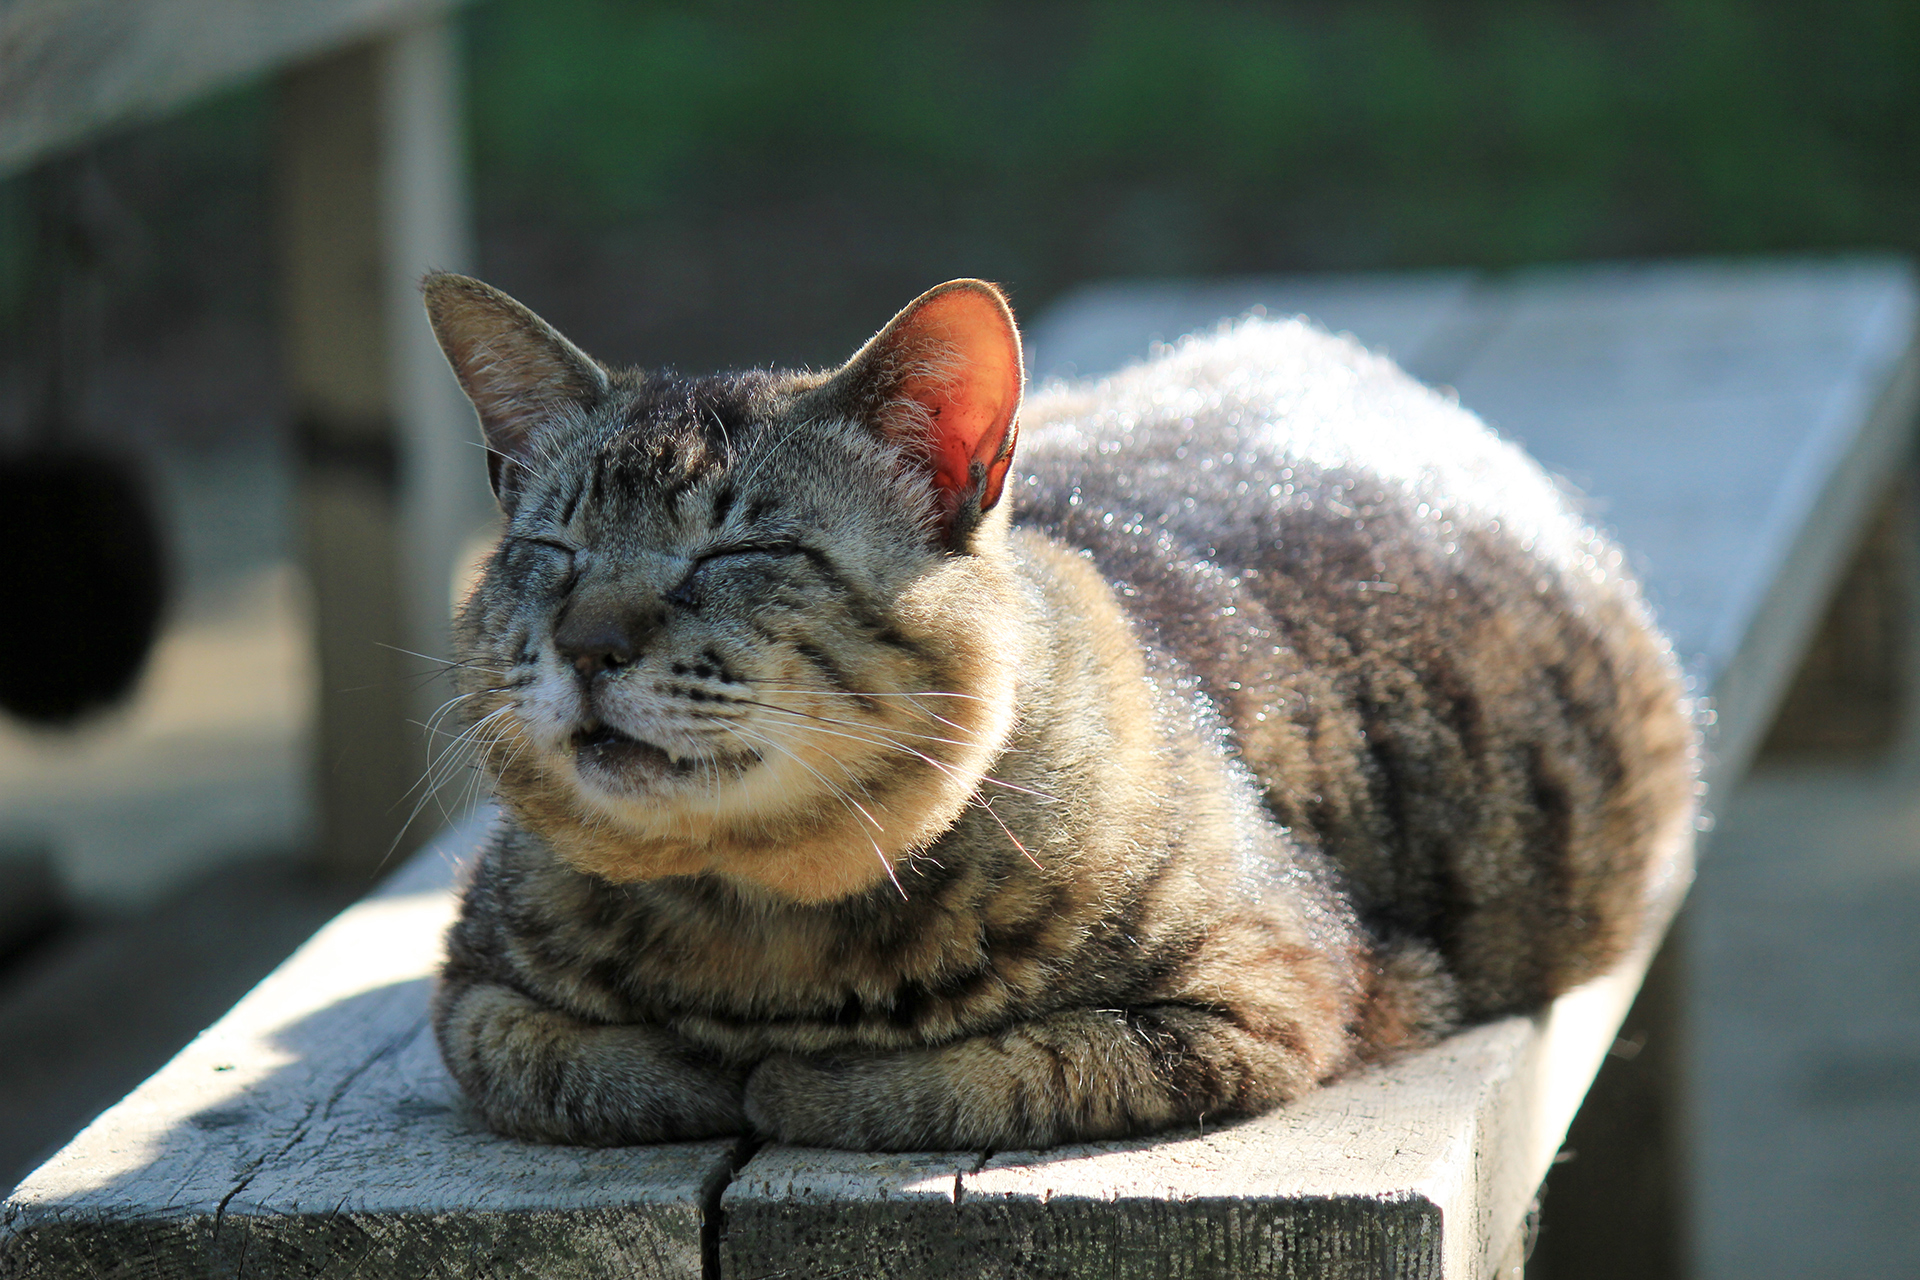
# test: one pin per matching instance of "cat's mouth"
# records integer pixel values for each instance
(603, 747)
(623, 762)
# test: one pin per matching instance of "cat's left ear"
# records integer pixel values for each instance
(944, 377)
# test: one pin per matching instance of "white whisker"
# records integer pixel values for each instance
(885, 741)
(852, 804)
(852, 724)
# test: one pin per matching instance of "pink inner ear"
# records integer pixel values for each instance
(972, 408)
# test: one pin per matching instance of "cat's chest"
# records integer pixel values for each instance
(804, 981)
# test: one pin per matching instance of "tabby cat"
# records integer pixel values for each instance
(863, 790)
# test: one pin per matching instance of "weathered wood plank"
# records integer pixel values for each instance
(313, 1131)
(843, 1213)
(71, 68)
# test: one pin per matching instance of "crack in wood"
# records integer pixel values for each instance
(960, 1176)
(253, 1169)
(387, 1049)
(713, 1226)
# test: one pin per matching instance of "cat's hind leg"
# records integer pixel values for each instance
(535, 1072)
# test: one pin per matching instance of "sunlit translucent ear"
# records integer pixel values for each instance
(945, 377)
(515, 367)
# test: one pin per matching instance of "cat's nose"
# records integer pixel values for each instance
(595, 641)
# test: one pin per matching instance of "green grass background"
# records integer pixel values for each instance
(1048, 143)
(1206, 136)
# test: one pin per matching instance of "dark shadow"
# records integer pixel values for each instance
(97, 1004)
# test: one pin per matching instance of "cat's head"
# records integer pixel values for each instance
(758, 626)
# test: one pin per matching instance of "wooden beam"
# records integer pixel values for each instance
(1618, 1199)
(369, 198)
(73, 68)
(427, 227)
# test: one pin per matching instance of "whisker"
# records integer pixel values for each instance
(986, 804)
(910, 697)
(838, 794)
(441, 767)
(851, 724)
(825, 781)
(769, 454)
(978, 799)
(440, 712)
(445, 664)
(844, 767)
(439, 771)
(883, 741)
(435, 659)
(725, 438)
(861, 693)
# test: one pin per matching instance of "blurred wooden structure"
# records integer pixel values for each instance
(1849, 696)
(371, 196)
(1737, 426)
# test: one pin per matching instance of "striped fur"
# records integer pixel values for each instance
(1280, 719)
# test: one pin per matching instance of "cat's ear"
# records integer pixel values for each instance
(945, 378)
(515, 367)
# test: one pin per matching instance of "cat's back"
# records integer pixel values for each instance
(1434, 669)
(1213, 438)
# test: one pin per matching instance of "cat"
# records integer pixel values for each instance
(869, 783)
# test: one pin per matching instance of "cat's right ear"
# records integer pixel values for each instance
(515, 367)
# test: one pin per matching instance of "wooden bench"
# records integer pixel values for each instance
(1735, 422)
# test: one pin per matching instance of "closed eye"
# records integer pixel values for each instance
(755, 549)
(686, 594)
(555, 543)
(571, 556)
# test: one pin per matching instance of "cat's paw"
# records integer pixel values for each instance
(820, 1102)
(867, 1102)
(790, 1099)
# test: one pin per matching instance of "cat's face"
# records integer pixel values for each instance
(738, 625)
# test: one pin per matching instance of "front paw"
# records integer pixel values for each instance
(796, 1100)
(876, 1102)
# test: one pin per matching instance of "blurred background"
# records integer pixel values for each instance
(705, 185)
